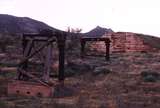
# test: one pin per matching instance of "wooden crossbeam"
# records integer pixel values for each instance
(33, 77)
(86, 39)
(48, 38)
(49, 41)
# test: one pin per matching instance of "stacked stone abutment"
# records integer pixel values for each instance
(128, 42)
(124, 42)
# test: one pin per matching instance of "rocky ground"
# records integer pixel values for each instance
(128, 80)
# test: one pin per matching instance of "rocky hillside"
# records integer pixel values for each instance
(98, 32)
(128, 80)
(13, 24)
(150, 40)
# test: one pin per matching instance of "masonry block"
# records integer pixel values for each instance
(124, 42)
(26, 88)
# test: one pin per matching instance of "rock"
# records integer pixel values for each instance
(2, 55)
(66, 101)
(70, 72)
(9, 69)
(150, 76)
(101, 70)
(79, 66)
(10, 104)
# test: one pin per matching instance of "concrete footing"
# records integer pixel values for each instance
(26, 88)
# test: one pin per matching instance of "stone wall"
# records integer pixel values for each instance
(123, 42)
(128, 42)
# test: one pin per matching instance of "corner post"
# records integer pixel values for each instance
(107, 43)
(83, 43)
(61, 38)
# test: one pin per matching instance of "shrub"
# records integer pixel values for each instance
(5, 40)
(3, 104)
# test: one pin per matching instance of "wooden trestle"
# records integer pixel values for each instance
(28, 43)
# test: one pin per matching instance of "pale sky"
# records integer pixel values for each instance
(140, 16)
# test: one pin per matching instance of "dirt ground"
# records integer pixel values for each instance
(129, 80)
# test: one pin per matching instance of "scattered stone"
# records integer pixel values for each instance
(8, 69)
(101, 70)
(66, 101)
(80, 66)
(11, 105)
(70, 72)
(150, 76)
(2, 55)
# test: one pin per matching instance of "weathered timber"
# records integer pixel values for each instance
(86, 39)
(33, 77)
(61, 46)
(29, 51)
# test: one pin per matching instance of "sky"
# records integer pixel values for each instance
(139, 16)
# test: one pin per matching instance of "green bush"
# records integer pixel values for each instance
(5, 40)
(3, 104)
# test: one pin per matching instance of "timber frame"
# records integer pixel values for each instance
(86, 39)
(47, 37)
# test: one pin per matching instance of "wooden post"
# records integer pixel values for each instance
(46, 72)
(83, 43)
(27, 50)
(27, 47)
(61, 37)
(28, 42)
(24, 44)
(107, 43)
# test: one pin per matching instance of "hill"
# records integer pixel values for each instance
(128, 80)
(98, 32)
(151, 40)
(12, 24)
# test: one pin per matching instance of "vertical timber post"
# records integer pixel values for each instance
(24, 44)
(83, 42)
(28, 44)
(107, 43)
(27, 48)
(61, 37)
(46, 72)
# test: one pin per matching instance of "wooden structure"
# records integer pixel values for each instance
(25, 79)
(48, 38)
(86, 39)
